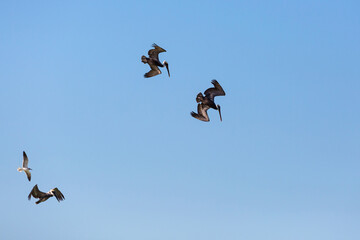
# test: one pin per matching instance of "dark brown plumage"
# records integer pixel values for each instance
(207, 101)
(42, 196)
(154, 62)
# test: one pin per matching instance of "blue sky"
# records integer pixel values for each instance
(124, 150)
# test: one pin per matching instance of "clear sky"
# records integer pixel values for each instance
(124, 150)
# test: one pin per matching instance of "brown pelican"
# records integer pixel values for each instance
(36, 193)
(25, 166)
(207, 101)
(154, 62)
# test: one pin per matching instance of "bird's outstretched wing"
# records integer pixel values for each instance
(58, 195)
(25, 160)
(28, 174)
(153, 72)
(36, 193)
(217, 90)
(202, 113)
(154, 53)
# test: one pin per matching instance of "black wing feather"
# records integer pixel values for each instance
(36, 193)
(58, 195)
(217, 90)
(154, 53)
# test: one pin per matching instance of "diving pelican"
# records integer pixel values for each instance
(36, 193)
(207, 101)
(25, 167)
(154, 62)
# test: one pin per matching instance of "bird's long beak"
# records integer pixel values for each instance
(167, 68)
(219, 112)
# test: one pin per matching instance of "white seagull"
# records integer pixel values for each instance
(25, 167)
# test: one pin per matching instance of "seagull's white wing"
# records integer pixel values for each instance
(25, 160)
(28, 174)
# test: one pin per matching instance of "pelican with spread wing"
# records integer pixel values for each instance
(42, 196)
(25, 167)
(206, 102)
(154, 62)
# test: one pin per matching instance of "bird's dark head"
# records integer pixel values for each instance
(144, 59)
(30, 168)
(199, 97)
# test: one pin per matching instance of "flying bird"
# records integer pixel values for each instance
(206, 102)
(154, 62)
(36, 193)
(25, 167)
